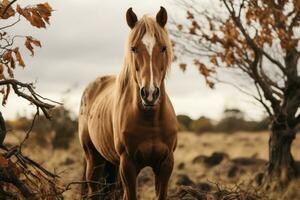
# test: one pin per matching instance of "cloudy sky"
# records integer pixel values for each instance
(86, 39)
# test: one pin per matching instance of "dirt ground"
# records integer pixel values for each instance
(236, 158)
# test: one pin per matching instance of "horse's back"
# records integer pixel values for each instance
(95, 112)
(92, 91)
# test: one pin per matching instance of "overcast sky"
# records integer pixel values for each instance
(86, 39)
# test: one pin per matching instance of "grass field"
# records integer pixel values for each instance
(240, 156)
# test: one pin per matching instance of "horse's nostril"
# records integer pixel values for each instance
(143, 93)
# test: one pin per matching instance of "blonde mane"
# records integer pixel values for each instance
(145, 25)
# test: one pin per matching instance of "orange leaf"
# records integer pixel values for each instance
(193, 30)
(19, 57)
(213, 60)
(1, 68)
(12, 63)
(24, 12)
(36, 20)
(45, 11)
(46, 6)
(9, 11)
(7, 56)
(35, 41)
(1, 73)
(179, 27)
(37, 15)
(10, 72)
(29, 46)
(4, 100)
(28, 43)
(182, 66)
(189, 15)
(3, 162)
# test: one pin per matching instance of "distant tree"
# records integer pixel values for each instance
(261, 125)
(184, 121)
(234, 112)
(259, 40)
(64, 127)
(202, 125)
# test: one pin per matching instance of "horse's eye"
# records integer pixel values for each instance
(163, 49)
(134, 49)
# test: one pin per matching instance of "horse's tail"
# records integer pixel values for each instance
(84, 186)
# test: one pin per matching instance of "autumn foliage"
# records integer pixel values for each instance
(258, 40)
(20, 176)
(38, 16)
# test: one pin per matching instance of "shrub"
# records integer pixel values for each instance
(64, 127)
(201, 125)
(20, 123)
(184, 122)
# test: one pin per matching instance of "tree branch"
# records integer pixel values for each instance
(34, 98)
(258, 55)
(12, 24)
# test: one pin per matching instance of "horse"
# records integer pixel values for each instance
(127, 122)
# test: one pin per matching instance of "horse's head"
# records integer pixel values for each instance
(150, 54)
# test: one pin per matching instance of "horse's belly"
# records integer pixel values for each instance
(101, 132)
(104, 144)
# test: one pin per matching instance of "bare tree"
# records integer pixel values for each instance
(260, 40)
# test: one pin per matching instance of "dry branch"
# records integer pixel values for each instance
(32, 97)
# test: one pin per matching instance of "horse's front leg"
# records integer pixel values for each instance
(128, 175)
(162, 176)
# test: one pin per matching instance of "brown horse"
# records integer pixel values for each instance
(127, 122)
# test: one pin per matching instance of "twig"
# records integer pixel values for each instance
(31, 127)
(12, 24)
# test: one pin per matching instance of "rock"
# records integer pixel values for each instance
(215, 159)
(248, 161)
(68, 161)
(232, 172)
(184, 180)
(204, 187)
(199, 159)
(259, 178)
(210, 161)
(181, 165)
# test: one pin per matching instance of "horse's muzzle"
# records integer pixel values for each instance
(149, 97)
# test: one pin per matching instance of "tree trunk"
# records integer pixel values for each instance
(281, 166)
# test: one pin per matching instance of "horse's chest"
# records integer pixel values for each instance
(148, 146)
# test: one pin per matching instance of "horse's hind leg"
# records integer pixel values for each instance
(101, 175)
(84, 186)
(94, 167)
(110, 175)
(162, 176)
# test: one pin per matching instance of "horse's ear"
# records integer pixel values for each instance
(162, 17)
(131, 18)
